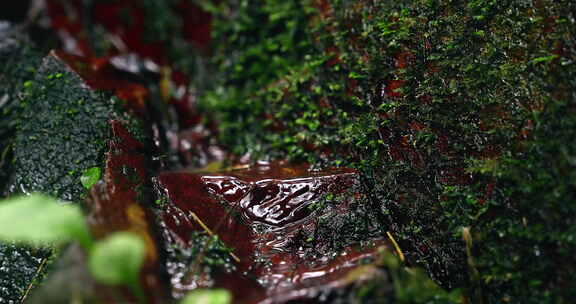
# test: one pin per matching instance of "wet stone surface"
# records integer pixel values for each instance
(62, 131)
(116, 204)
(271, 224)
(18, 62)
(18, 268)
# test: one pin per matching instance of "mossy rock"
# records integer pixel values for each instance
(62, 131)
(18, 63)
(54, 127)
(441, 105)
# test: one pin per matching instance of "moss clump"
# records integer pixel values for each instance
(335, 230)
(527, 235)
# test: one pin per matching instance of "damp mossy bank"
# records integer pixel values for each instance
(450, 109)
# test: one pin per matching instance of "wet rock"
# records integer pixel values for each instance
(68, 280)
(19, 268)
(62, 131)
(18, 63)
(273, 217)
(55, 126)
(116, 203)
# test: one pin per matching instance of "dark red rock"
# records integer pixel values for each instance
(116, 205)
(261, 212)
(99, 74)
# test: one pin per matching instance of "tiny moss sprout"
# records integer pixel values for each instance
(90, 177)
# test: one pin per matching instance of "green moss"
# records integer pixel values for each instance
(537, 237)
(442, 105)
(335, 230)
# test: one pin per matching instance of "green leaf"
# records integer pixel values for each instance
(90, 177)
(208, 296)
(39, 220)
(117, 259)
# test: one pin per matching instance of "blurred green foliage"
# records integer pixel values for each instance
(38, 220)
(117, 259)
(207, 296)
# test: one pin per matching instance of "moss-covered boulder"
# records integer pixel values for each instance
(441, 105)
(62, 131)
(54, 128)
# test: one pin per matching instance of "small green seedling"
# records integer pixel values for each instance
(117, 260)
(39, 220)
(90, 177)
